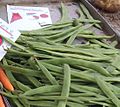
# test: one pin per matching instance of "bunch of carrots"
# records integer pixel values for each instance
(6, 83)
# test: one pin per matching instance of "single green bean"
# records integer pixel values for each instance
(44, 97)
(101, 103)
(92, 99)
(66, 85)
(94, 36)
(89, 88)
(47, 73)
(80, 13)
(43, 89)
(64, 13)
(79, 90)
(8, 73)
(58, 26)
(42, 103)
(100, 43)
(72, 38)
(39, 33)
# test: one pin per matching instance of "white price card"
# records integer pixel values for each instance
(28, 18)
(8, 32)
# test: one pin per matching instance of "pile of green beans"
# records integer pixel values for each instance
(64, 65)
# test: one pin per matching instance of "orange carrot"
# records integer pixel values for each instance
(5, 81)
(1, 102)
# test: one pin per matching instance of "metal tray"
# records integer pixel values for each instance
(112, 18)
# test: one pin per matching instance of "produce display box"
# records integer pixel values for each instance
(53, 6)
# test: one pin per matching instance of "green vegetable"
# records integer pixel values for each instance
(47, 73)
(103, 85)
(66, 64)
(66, 85)
(43, 89)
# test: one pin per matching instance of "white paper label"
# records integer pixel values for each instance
(8, 32)
(28, 18)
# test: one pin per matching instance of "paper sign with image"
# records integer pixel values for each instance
(28, 18)
(8, 32)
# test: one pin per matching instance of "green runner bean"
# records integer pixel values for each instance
(66, 85)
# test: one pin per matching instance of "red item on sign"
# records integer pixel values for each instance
(44, 16)
(15, 16)
(1, 40)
